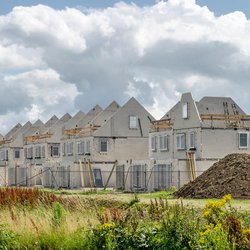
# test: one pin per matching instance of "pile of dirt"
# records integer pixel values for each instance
(230, 175)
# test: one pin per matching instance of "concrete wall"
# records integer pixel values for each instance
(217, 143)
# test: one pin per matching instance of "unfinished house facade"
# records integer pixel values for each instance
(42, 148)
(194, 135)
(11, 152)
(108, 147)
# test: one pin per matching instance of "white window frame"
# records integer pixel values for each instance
(153, 143)
(192, 140)
(103, 140)
(87, 151)
(37, 152)
(2, 155)
(133, 123)
(70, 146)
(179, 141)
(43, 151)
(163, 142)
(185, 110)
(80, 147)
(30, 153)
(241, 133)
(63, 149)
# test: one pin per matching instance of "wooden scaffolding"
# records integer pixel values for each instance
(86, 130)
(34, 138)
(160, 125)
(229, 121)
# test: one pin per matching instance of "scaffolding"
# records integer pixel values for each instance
(88, 129)
(230, 121)
(4, 141)
(161, 125)
(33, 138)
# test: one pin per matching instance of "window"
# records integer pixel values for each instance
(163, 142)
(185, 110)
(192, 140)
(38, 152)
(17, 153)
(70, 148)
(104, 145)
(132, 121)
(63, 149)
(153, 143)
(29, 153)
(87, 147)
(180, 141)
(80, 148)
(54, 151)
(43, 152)
(6, 155)
(3, 155)
(243, 139)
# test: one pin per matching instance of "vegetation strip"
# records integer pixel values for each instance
(34, 219)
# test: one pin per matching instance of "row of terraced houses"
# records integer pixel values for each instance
(124, 147)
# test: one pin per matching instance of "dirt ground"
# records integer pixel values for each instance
(230, 175)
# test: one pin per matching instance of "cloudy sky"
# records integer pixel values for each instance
(63, 56)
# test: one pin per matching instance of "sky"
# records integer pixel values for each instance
(64, 56)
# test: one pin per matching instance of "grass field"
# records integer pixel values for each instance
(73, 219)
(147, 197)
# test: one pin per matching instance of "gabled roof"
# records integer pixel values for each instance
(35, 128)
(89, 116)
(51, 121)
(38, 123)
(118, 124)
(218, 105)
(65, 117)
(73, 121)
(56, 130)
(12, 131)
(103, 116)
(18, 137)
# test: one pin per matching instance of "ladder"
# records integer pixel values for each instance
(191, 164)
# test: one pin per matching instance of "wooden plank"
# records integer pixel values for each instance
(110, 175)
(83, 130)
(2, 142)
(219, 117)
(32, 138)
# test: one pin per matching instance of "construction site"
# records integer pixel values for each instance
(125, 148)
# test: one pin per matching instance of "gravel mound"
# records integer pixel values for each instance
(230, 175)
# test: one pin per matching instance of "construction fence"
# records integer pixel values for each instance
(134, 178)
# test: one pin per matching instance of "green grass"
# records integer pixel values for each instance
(108, 220)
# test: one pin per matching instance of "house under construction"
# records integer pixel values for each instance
(194, 135)
(124, 147)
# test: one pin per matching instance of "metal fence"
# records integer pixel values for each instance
(134, 178)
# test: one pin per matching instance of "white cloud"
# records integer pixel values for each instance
(56, 61)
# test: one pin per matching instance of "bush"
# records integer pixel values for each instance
(161, 226)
